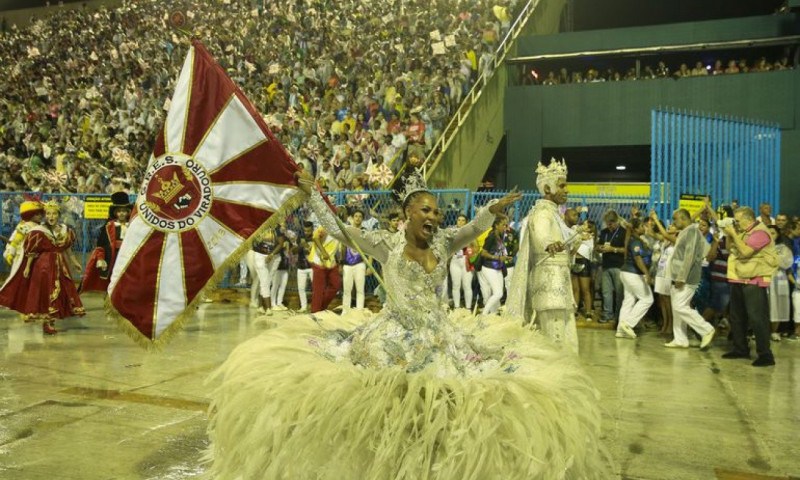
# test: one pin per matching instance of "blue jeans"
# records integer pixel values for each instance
(612, 293)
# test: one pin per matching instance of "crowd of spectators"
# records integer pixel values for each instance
(661, 70)
(353, 89)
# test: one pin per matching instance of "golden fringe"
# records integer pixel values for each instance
(158, 344)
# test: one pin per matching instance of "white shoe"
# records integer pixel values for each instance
(279, 308)
(620, 335)
(705, 342)
(672, 344)
(775, 337)
(627, 330)
(253, 305)
(261, 310)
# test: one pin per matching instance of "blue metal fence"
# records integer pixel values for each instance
(72, 213)
(723, 157)
(591, 207)
(378, 205)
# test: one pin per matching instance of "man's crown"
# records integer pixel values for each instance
(555, 170)
(414, 182)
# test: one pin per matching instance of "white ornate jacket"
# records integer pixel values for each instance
(546, 286)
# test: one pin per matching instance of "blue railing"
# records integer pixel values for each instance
(378, 204)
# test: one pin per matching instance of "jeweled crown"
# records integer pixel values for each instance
(52, 206)
(555, 170)
(414, 182)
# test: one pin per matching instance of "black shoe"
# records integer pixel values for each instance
(735, 354)
(764, 362)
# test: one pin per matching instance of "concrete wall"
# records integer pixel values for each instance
(769, 26)
(618, 113)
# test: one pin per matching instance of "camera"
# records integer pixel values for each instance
(725, 223)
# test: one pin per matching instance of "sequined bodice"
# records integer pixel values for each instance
(414, 293)
(413, 330)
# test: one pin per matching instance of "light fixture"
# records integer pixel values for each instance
(621, 167)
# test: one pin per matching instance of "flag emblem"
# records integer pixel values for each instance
(216, 178)
(178, 193)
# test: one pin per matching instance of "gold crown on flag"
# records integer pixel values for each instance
(169, 189)
(414, 182)
(552, 172)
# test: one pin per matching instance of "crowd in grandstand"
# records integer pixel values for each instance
(661, 70)
(364, 85)
(352, 89)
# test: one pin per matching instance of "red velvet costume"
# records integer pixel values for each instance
(108, 243)
(41, 285)
(109, 240)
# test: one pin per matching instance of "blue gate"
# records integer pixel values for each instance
(723, 157)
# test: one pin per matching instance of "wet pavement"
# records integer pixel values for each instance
(89, 403)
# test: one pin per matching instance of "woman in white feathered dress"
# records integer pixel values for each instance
(408, 393)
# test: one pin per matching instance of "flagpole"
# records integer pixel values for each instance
(349, 239)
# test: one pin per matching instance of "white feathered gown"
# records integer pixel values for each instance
(409, 394)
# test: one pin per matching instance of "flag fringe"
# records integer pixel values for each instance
(157, 344)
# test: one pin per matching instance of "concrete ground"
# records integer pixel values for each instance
(89, 404)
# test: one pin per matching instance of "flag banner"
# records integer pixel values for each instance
(217, 177)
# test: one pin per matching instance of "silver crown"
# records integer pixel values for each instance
(414, 182)
(555, 170)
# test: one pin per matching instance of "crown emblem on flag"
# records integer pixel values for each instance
(169, 189)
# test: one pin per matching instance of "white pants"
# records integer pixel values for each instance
(279, 280)
(250, 258)
(683, 314)
(243, 271)
(462, 280)
(353, 275)
(265, 273)
(303, 279)
(779, 299)
(637, 300)
(494, 293)
(796, 303)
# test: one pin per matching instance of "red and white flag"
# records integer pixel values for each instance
(216, 177)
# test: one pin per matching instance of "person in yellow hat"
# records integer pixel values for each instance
(31, 212)
(40, 285)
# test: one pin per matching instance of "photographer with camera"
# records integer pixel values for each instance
(751, 265)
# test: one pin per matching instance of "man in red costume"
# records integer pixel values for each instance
(109, 239)
(40, 285)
